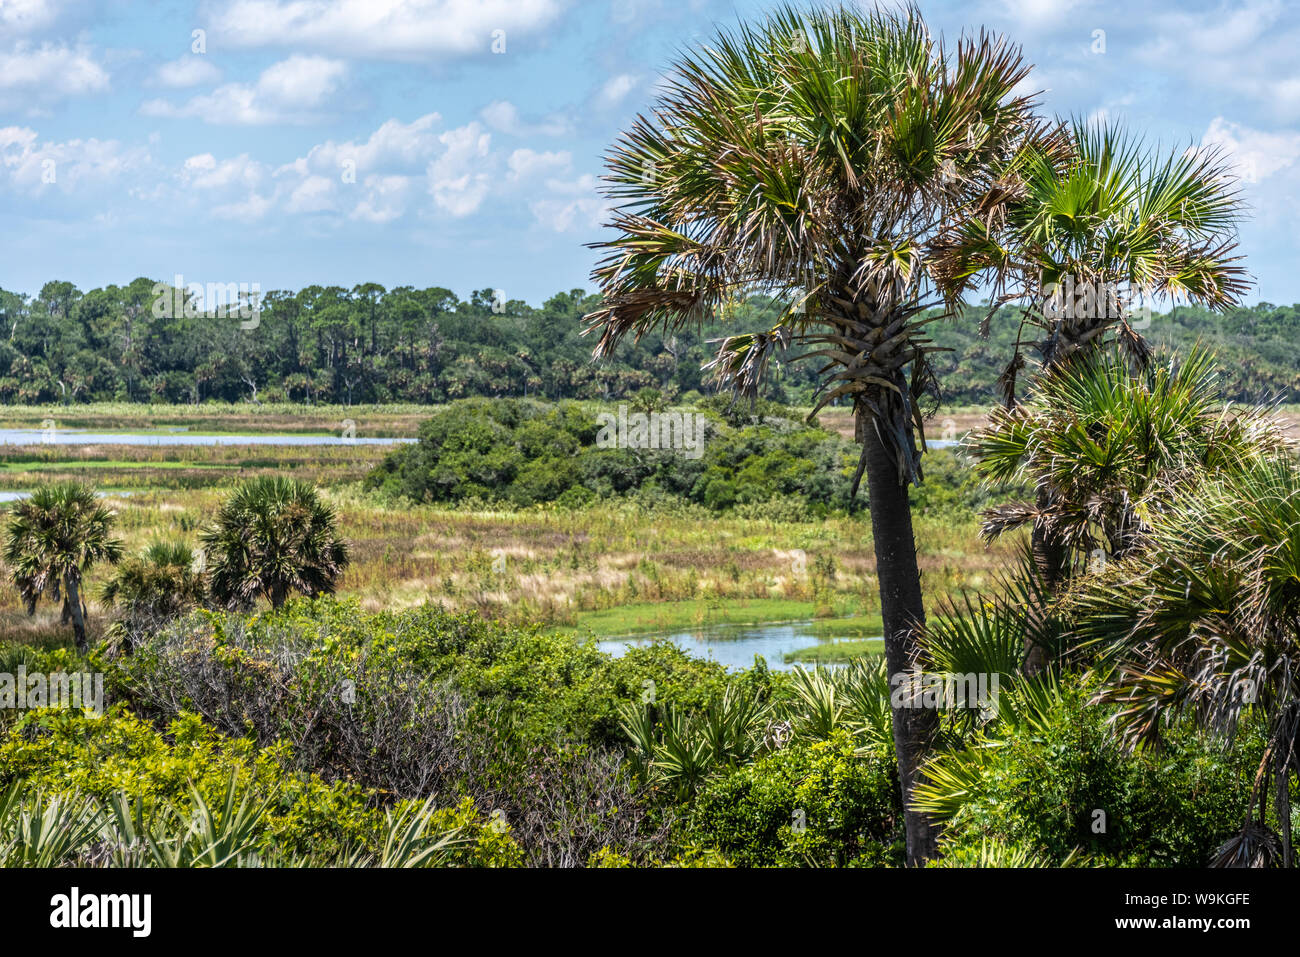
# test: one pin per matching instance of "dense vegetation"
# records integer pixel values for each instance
(1124, 690)
(369, 344)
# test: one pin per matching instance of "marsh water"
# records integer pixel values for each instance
(178, 437)
(732, 646)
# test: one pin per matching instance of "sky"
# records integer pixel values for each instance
(459, 143)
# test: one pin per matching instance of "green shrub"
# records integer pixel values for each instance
(817, 804)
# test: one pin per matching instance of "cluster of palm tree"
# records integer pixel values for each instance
(853, 164)
(271, 538)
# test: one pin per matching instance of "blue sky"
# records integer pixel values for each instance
(387, 141)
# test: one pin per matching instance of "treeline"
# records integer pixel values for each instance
(328, 344)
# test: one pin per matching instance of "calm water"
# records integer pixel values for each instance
(733, 646)
(78, 437)
(6, 496)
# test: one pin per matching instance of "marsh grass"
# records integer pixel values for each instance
(614, 567)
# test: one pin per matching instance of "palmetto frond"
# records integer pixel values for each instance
(1105, 211)
(1109, 445)
(57, 534)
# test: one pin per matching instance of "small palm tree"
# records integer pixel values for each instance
(54, 539)
(156, 586)
(817, 156)
(272, 537)
(1206, 620)
(1110, 447)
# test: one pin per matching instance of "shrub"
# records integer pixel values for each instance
(850, 808)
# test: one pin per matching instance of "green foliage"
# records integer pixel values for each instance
(526, 452)
(1038, 778)
(817, 803)
(52, 540)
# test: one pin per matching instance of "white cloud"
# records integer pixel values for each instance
(385, 200)
(20, 17)
(315, 194)
(381, 29)
(187, 71)
(573, 204)
(459, 180)
(615, 90)
(33, 166)
(526, 164)
(407, 146)
(1256, 154)
(296, 90)
(35, 77)
(503, 116)
(205, 172)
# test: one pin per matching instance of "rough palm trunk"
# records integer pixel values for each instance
(72, 589)
(904, 615)
(1049, 556)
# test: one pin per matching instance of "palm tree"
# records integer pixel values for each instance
(54, 538)
(273, 536)
(156, 586)
(1113, 444)
(1206, 621)
(1109, 217)
(1111, 447)
(817, 156)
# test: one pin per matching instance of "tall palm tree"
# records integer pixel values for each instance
(816, 156)
(53, 540)
(156, 586)
(273, 536)
(1111, 216)
(1206, 620)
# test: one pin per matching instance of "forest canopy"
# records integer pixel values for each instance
(330, 344)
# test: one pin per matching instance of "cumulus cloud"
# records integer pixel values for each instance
(33, 166)
(300, 89)
(23, 17)
(1257, 154)
(32, 77)
(615, 90)
(459, 180)
(381, 29)
(187, 71)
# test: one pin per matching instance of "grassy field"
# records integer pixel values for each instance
(610, 569)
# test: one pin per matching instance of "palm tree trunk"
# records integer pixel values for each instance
(1049, 555)
(71, 589)
(904, 615)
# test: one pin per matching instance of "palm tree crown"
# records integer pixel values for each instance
(53, 539)
(273, 536)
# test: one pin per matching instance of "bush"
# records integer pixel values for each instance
(1041, 790)
(850, 809)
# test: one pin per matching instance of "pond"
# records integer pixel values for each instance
(8, 496)
(734, 646)
(80, 437)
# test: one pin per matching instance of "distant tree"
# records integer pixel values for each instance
(53, 540)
